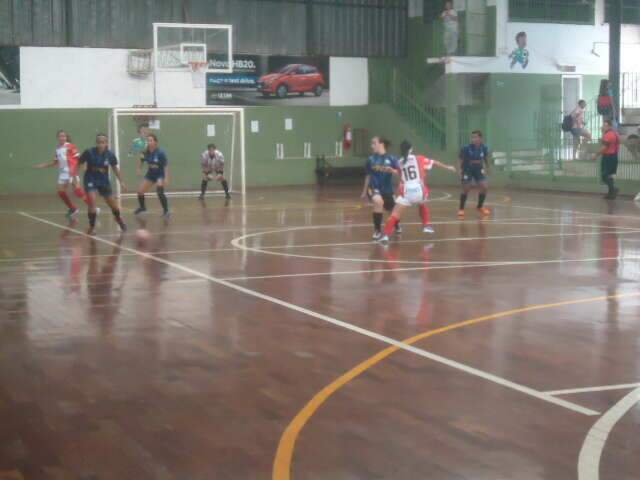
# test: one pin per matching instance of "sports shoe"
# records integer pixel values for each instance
(123, 226)
(140, 210)
(613, 194)
(383, 239)
(398, 229)
(97, 210)
(484, 211)
(200, 197)
(460, 214)
(72, 212)
(91, 231)
(376, 235)
(428, 229)
(227, 196)
(166, 215)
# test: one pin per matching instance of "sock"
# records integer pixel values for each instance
(377, 221)
(141, 200)
(163, 199)
(67, 201)
(390, 225)
(425, 215)
(116, 215)
(481, 198)
(80, 194)
(92, 219)
(225, 185)
(463, 200)
(610, 184)
(203, 187)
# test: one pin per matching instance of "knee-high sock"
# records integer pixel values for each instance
(92, 219)
(463, 200)
(67, 201)
(225, 186)
(390, 226)
(141, 200)
(163, 199)
(425, 215)
(377, 221)
(481, 198)
(80, 193)
(203, 187)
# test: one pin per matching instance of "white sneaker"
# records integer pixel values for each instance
(383, 239)
(376, 236)
(97, 210)
(428, 229)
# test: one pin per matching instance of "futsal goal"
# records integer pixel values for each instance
(183, 133)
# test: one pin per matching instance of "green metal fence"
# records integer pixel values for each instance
(552, 157)
(630, 90)
(630, 11)
(392, 87)
(553, 11)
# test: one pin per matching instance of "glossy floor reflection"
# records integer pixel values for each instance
(187, 356)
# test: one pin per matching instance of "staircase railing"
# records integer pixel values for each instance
(395, 89)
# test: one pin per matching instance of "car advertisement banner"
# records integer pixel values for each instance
(269, 80)
(9, 75)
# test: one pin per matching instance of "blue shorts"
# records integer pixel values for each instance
(103, 188)
(387, 198)
(473, 175)
(154, 175)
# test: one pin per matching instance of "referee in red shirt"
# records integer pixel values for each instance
(609, 154)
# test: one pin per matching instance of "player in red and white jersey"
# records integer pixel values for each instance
(66, 159)
(413, 188)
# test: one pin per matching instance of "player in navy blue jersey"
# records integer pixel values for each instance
(474, 167)
(98, 160)
(378, 183)
(157, 174)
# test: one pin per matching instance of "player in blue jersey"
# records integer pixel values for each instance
(378, 183)
(157, 174)
(98, 160)
(474, 167)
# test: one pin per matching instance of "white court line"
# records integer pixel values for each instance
(437, 267)
(594, 443)
(347, 326)
(569, 391)
(240, 243)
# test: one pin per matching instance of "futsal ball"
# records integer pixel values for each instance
(142, 236)
(637, 199)
(138, 145)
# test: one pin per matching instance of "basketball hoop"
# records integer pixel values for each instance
(198, 73)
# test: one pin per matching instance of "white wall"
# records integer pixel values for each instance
(79, 77)
(552, 45)
(349, 81)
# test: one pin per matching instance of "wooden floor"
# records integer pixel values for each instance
(271, 339)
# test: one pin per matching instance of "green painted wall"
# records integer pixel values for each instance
(28, 137)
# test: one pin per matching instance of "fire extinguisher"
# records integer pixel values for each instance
(347, 136)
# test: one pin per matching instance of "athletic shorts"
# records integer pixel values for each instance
(154, 175)
(387, 198)
(412, 195)
(473, 175)
(103, 189)
(578, 132)
(608, 166)
(65, 177)
(215, 172)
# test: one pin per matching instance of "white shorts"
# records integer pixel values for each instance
(413, 195)
(65, 177)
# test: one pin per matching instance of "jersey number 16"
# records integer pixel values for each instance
(410, 172)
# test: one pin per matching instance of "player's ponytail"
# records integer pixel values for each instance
(405, 150)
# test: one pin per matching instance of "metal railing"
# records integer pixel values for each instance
(553, 11)
(470, 44)
(392, 87)
(630, 90)
(552, 154)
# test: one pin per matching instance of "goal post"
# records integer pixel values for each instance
(183, 133)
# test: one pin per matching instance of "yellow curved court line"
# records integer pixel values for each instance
(286, 446)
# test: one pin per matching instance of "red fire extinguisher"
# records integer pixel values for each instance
(347, 136)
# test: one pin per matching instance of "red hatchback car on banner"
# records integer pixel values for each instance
(294, 78)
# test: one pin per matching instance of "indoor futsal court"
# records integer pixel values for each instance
(391, 239)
